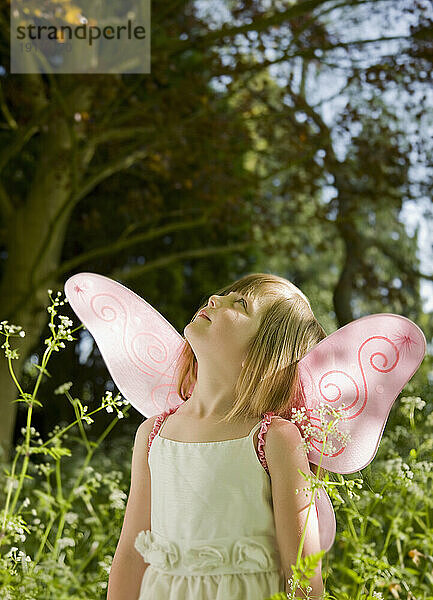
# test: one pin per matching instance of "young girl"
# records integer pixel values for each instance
(212, 512)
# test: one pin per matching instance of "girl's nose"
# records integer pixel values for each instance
(212, 300)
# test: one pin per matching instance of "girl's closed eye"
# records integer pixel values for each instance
(244, 301)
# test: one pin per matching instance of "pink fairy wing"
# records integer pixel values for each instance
(364, 365)
(139, 346)
(326, 520)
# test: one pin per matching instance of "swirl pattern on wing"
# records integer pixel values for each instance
(145, 349)
(338, 387)
(139, 346)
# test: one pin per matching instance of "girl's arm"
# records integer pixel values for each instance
(284, 457)
(128, 566)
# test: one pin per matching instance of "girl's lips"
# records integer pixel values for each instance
(204, 315)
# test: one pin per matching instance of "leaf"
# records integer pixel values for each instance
(375, 522)
(47, 499)
(41, 369)
(351, 573)
(56, 453)
(307, 568)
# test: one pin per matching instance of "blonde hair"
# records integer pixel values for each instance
(269, 379)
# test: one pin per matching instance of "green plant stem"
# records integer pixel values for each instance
(66, 503)
(80, 422)
(400, 554)
(389, 533)
(85, 562)
(11, 371)
(304, 531)
(12, 474)
(364, 522)
(26, 444)
(43, 541)
(65, 429)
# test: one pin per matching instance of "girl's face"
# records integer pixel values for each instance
(234, 320)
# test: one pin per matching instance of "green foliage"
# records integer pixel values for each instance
(57, 513)
(307, 567)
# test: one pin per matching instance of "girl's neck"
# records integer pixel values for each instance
(212, 410)
(211, 399)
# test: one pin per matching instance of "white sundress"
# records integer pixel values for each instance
(212, 533)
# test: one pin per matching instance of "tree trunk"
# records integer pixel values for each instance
(35, 236)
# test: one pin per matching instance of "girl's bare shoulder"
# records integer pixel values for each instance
(145, 428)
(282, 436)
(282, 426)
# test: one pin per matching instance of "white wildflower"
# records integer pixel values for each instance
(62, 389)
(65, 542)
(117, 498)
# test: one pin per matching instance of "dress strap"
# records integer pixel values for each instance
(266, 421)
(264, 424)
(157, 424)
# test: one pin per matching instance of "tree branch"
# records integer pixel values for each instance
(21, 138)
(259, 24)
(306, 53)
(117, 165)
(397, 260)
(110, 135)
(5, 202)
(164, 261)
(121, 244)
(5, 110)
